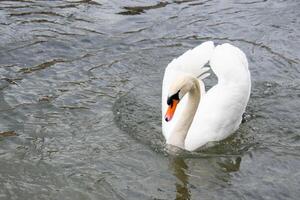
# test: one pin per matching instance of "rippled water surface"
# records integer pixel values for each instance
(80, 87)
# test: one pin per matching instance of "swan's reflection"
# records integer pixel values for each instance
(179, 169)
(219, 168)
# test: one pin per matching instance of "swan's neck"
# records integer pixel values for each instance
(183, 124)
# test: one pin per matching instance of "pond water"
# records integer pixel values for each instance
(80, 91)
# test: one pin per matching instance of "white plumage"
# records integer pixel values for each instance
(220, 109)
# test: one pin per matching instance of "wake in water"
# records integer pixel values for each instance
(143, 122)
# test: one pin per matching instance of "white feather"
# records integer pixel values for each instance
(220, 109)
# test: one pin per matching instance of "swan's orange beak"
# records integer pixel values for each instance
(171, 110)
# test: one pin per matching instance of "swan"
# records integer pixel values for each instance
(204, 116)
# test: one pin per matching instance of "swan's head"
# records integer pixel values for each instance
(178, 89)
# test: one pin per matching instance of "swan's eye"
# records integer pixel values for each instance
(169, 101)
(173, 97)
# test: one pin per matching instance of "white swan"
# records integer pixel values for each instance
(201, 116)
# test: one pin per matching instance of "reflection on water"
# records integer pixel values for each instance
(220, 167)
(80, 91)
(179, 168)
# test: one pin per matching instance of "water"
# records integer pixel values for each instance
(80, 100)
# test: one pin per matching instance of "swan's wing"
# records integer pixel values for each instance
(220, 110)
(229, 63)
(191, 62)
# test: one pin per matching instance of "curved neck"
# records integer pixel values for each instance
(183, 124)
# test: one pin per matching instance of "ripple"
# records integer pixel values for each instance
(42, 66)
(136, 10)
(7, 134)
(39, 21)
(91, 2)
(251, 2)
(21, 14)
(58, 32)
(29, 44)
(259, 45)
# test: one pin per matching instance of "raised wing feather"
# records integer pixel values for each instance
(229, 63)
(193, 60)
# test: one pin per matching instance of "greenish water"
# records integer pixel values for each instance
(80, 91)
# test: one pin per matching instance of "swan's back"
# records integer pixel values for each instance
(220, 110)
